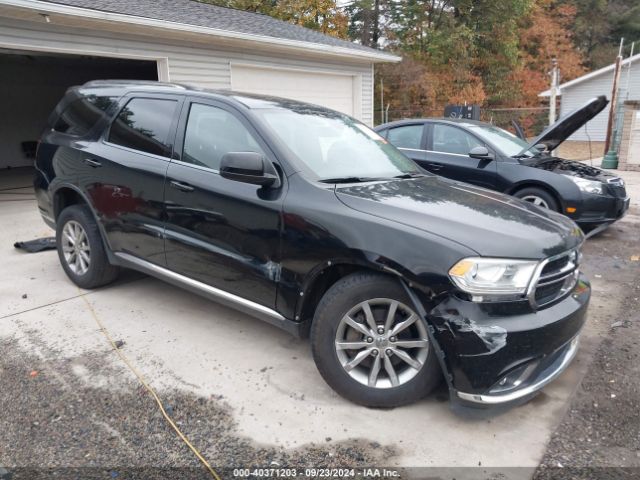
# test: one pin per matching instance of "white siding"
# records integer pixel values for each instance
(193, 63)
(577, 95)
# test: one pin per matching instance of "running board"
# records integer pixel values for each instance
(229, 299)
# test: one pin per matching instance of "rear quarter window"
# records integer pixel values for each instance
(81, 115)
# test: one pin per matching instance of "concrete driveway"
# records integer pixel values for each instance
(244, 391)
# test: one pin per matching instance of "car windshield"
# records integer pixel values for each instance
(335, 147)
(505, 141)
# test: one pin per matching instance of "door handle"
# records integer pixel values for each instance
(434, 166)
(92, 163)
(181, 186)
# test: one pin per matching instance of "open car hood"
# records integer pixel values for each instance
(557, 133)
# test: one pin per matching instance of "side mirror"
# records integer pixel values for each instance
(248, 167)
(481, 153)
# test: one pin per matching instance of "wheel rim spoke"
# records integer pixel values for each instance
(391, 315)
(75, 247)
(391, 372)
(356, 325)
(404, 324)
(351, 345)
(407, 359)
(411, 343)
(357, 360)
(366, 308)
(373, 373)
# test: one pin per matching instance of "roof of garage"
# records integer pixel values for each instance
(215, 19)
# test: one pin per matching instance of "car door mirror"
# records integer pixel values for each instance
(481, 153)
(248, 167)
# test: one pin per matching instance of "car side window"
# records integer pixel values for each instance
(211, 133)
(448, 139)
(407, 136)
(144, 124)
(82, 114)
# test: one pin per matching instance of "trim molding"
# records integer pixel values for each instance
(226, 298)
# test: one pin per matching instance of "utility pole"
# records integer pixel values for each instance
(554, 91)
(610, 159)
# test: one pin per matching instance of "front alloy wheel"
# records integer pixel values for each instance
(381, 343)
(370, 345)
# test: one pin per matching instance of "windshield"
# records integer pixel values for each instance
(333, 146)
(504, 141)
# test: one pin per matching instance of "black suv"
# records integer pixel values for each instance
(308, 219)
(488, 156)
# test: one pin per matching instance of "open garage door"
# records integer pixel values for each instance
(333, 91)
(32, 83)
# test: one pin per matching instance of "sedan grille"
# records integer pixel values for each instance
(557, 277)
(616, 187)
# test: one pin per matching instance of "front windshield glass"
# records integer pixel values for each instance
(334, 146)
(505, 141)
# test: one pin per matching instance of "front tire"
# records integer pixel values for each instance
(80, 248)
(370, 345)
(538, 197)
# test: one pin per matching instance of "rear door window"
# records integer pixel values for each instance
(407, 136)
(81, 115)
(144, 124)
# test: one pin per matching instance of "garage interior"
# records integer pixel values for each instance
(32, 83)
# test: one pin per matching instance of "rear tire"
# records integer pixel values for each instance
(387, 365)
(538, 197)
(80, 248)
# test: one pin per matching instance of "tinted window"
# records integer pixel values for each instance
(448, 139)
(409, 136)
(211, 133)
(81, 115)
(144, 124)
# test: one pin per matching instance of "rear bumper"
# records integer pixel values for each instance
(500, 353)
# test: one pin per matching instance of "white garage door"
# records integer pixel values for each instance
(329, 90)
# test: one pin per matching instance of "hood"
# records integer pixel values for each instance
(490, 223)
(571, 167)
(557, 133)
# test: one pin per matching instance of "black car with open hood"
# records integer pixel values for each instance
(488, 156)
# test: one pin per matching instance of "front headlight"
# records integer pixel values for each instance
(587, 186)
(493, 277)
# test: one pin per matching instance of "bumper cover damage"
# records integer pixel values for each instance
(498, 353)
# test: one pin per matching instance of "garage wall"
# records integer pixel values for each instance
(576, 96)
(187, 63)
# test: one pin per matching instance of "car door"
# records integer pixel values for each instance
(221, 232)
(124, 173)
(449, 147)
(410, 139)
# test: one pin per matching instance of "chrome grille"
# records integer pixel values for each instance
(556, 276)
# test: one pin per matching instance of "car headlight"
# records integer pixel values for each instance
(501, 278)
(587, 186)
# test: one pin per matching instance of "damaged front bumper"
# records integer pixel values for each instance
(500, 353)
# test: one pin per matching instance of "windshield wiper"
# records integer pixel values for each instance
(350, 179)
(410, 175)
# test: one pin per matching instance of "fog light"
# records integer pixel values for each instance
(571, 209)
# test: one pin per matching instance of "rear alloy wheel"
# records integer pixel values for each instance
(538, 197)
(81, 250)
(370, 345)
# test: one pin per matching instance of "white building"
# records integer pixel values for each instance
(577, 92)
(48, 45)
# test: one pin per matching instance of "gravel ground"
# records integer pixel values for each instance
(62, 425)
(600, 434)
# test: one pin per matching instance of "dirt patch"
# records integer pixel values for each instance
(575, 150)
(600, 435)
(84, 417)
